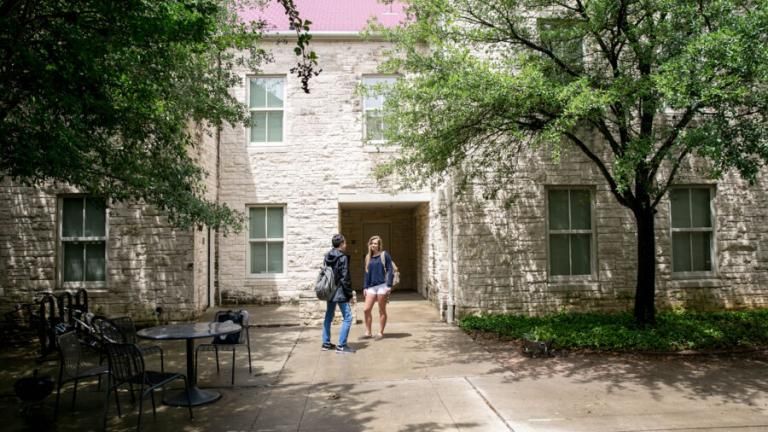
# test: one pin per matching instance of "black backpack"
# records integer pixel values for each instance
(237, 317)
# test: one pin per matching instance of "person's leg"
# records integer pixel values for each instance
(330, 309)
(370, 299)
(346, 323)
(382, 298)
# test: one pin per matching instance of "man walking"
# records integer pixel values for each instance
(339, 262)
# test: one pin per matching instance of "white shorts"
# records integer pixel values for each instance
(381, 289)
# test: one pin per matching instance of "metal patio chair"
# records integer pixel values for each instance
(229, 342)
(126, 365)
(71, 368)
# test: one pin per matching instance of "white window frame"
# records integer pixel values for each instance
(250, 240)
(61, 240)
(252, 110)
(591, 276)
(712, 243)
(394, 78)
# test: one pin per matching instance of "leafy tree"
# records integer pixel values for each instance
(103, 94)
(656, 81)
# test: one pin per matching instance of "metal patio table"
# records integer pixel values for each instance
(190, 332)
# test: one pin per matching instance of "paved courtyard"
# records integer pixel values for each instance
(424, 376)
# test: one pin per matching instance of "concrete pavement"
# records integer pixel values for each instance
(427, 376)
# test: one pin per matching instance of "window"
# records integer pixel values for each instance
(265, 101)
(265, 238)
(83, 239)
(692, 230)
(570, 232)
(373, 103)
(564, 39)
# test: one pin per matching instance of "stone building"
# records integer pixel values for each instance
(303, 171)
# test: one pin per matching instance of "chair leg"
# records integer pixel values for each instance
(250, 366)
(233, 365)
(162, 363)
(58, 397)
(154, 410)
(216, 350)
(106, 402)
(117, 402)
(141, 408)
(74, 395)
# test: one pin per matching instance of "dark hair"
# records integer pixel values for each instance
(337, 240)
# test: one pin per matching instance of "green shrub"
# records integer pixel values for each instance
(674, 330)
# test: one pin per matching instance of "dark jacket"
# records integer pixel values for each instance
(340, 264)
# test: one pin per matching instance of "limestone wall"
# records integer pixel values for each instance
(149, 264)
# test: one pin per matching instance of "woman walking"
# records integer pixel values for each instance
(377, 285)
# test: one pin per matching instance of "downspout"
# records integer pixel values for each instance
(213, 276)
(215, 268)
(449, 314)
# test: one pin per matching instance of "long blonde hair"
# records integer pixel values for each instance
(368, 255)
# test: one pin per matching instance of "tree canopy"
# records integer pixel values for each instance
(638, 86)
(102, 94)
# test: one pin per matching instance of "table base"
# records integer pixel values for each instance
(196, 395)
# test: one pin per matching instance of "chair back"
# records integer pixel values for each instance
(237, 317)
(109, 331)
(125, 362)
(127, 327)
(69, 348)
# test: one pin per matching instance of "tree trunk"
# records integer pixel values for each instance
(645, 293)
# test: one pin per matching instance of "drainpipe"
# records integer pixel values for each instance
(449, 314)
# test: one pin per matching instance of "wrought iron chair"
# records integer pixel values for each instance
(126, 365)
(122, 330)
(71, 368)
(229, 342)
(128, 328)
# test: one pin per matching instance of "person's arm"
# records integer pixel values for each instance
(346, 279)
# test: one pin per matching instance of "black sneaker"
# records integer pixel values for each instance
(328, 346)
(346, 349)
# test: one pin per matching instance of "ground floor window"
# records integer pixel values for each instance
(692, 229)
(82, 239)
(266, 242)
(570, 232)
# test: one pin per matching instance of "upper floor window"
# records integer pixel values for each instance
(373, 104)
(692, 229)
(265, 101)
(266, 239)
(83, 239)
(570, 232)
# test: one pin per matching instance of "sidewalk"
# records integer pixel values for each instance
(428, 376)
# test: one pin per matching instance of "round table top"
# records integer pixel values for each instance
(189, 330)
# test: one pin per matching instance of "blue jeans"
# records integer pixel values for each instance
(346, 312)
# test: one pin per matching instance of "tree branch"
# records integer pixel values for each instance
(603, 169)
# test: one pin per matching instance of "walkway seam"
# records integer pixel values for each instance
(273, 385)
(490, 405)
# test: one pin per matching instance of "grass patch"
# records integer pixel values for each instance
(674, 330)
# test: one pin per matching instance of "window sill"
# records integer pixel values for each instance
(266, 276)
(703, 281)
(269, 147)
(589, 282)
(90, 286)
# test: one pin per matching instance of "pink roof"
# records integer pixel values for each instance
(330, 15)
